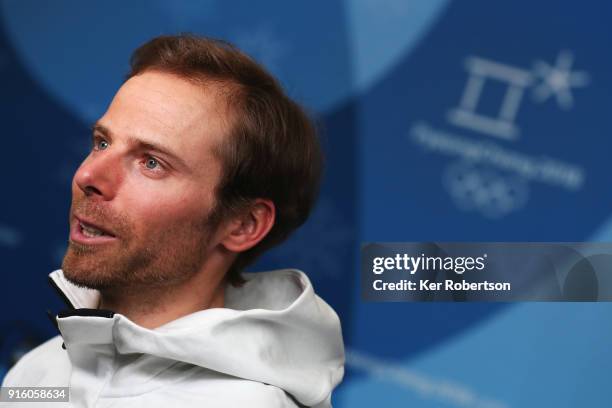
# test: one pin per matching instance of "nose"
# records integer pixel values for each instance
(99, 175)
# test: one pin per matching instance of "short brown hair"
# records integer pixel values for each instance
(272, 151)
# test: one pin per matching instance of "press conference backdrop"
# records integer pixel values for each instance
(446, 121)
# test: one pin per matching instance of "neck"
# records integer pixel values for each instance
(154, 307)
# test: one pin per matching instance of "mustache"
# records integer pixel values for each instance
(99, 214)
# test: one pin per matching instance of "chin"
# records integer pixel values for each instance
(83, 272)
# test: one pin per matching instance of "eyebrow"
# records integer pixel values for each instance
(143, 144)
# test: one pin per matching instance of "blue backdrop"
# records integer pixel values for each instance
(444, 121)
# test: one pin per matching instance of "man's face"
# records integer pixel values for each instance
(148, 184)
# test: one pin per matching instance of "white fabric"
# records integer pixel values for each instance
(274, 344)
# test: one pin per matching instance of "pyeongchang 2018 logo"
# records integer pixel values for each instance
(492, 177)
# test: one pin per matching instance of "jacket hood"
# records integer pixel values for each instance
(274, 329)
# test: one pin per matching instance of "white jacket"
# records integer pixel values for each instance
(274, 344)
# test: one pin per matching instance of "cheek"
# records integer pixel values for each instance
(166, 208)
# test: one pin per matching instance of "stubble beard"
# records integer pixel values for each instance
(158, 258)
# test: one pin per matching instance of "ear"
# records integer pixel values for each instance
(249, 228)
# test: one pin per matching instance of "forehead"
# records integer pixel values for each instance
(163, 108)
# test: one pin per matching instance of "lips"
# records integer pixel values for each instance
(85, 231)
(91, 231)
(91, 228)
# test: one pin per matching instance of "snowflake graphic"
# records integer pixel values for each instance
(558, 80)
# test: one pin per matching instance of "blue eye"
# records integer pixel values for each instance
(151, 163)
(101, 144)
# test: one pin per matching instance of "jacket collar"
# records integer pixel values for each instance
(74, 296)
(274, 329)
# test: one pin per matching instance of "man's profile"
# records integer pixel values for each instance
(200, 164)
